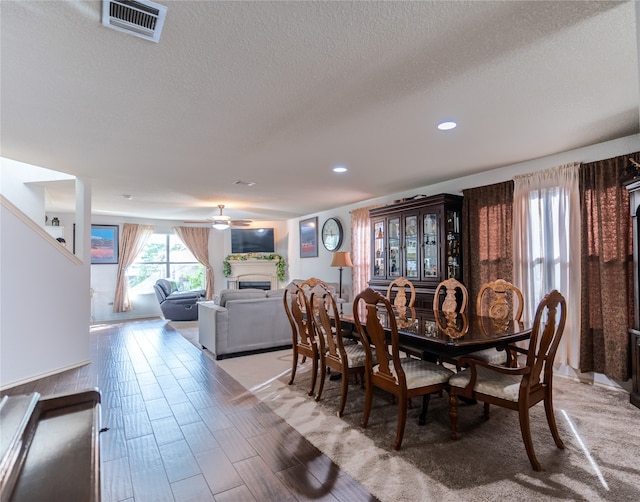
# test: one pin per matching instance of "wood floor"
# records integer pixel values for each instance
(180, 428)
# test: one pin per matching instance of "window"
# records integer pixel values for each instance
(547, 246)
(165, 257)
(550, 246)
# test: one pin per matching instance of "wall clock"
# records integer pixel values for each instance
(332, 234)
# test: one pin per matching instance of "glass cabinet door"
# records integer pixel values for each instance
(453, 245)
(411, 247)
(394, 247)
(430, 246)
(379, 268)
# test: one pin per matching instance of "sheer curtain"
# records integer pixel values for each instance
(607, 273)
(132, 240)
(546, 246)
(487, 217)
(360, 249)
(197, 241)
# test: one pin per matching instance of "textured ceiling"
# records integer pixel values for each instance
(280, 92)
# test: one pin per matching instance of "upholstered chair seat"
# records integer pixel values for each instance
(355, 354)
(491, 356)
(489, 382)
(420, 373)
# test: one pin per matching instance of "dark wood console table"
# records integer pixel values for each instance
(49, 447)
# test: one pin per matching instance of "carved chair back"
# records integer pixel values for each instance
(500, 300)
(456, 299)
(396, 293)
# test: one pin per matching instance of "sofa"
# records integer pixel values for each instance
(177, 305)
(242, 321)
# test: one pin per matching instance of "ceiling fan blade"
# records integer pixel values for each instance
(233, 223)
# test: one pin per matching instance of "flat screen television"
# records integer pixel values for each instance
(252, 240)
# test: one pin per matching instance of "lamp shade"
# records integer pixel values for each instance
(341, 259)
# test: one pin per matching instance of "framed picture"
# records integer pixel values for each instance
(104, 244)
(309, 238)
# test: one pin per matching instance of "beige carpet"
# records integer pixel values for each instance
(598, 426)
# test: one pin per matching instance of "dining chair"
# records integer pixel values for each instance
(517, 388)
(501, 301)
(405, 377)
(296, 305)
(397, 296)
(308, 284)
(345, 356)
(456, 297)
(397, 292)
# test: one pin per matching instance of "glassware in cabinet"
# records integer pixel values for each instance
(453, 245)
(379, 257)
(394, 247)
(430, 245)
(411, 246)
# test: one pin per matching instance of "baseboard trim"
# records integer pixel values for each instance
(219, 357)
(44, 375)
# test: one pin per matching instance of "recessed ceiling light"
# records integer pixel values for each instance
(445, 126)
(340, 169)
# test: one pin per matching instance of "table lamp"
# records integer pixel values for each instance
(341, 259)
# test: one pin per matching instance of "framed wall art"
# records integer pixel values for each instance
(309, 238)
(104, 244)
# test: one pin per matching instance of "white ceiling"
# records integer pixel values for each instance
(280, 92)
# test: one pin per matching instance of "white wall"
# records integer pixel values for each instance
(19, 184)
(44, 314)
(320, 267)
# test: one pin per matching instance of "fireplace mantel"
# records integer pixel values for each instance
(253, 271)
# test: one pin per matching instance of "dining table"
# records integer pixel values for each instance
(446, 335)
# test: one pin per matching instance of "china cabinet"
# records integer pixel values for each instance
(634, 334)
(419, 239)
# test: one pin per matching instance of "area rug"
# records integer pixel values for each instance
(488, 462)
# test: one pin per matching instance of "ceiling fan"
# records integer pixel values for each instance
(222, 222)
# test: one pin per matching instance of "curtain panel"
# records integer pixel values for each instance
(197, 241)
(546, 229)
(132, 240)
(487, 217)
(360, 249)
(607, 267)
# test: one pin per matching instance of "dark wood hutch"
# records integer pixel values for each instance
(417, 238)
(634, 334)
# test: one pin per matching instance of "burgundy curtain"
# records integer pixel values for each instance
(607, 267)
(487, 236)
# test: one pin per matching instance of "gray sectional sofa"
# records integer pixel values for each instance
(241, 321)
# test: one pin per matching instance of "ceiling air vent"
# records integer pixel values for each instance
(142, 18)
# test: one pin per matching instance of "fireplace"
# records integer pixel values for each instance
(266, 285)
(260, 272)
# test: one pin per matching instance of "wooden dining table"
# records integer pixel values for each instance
(447, 335)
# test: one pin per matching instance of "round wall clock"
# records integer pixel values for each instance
(332, 234)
